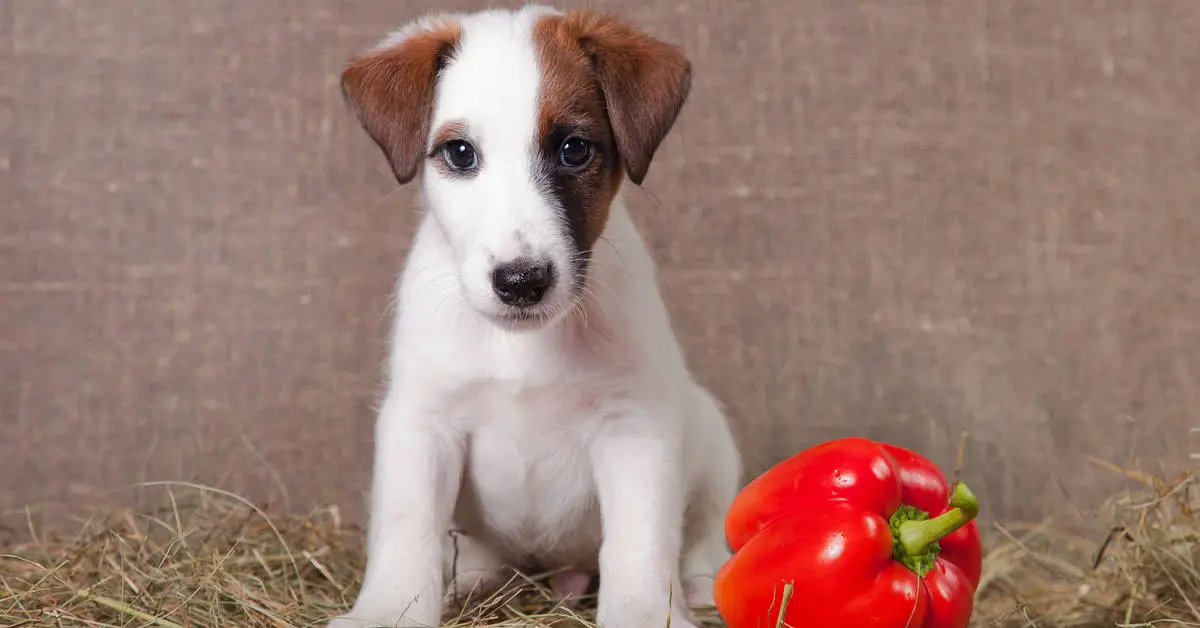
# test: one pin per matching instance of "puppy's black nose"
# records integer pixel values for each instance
(522, 283)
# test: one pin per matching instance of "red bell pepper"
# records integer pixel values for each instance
(859, 534)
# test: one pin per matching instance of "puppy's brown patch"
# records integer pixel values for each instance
(645, 83)
(607, 82)
(572, 105)
(392, 90)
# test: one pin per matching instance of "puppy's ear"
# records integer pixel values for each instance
(645, 83)
(391, 90)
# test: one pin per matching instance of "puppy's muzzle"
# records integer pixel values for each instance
(522, 283)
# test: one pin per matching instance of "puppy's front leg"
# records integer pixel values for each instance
(640, 485)
(418, 469)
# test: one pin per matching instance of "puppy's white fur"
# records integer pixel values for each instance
(581, 442)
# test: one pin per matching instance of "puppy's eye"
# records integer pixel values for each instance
(459, 155)
(576, 152)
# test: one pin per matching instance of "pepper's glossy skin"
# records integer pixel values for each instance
(821, 521)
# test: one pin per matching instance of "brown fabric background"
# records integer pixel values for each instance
(895, 219)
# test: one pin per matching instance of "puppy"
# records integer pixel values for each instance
(538, 404)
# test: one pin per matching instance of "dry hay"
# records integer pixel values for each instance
(209, 558)
(1146, 572)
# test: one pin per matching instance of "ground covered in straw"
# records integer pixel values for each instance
(208, 558)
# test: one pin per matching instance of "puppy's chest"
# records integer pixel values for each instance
(529, 473)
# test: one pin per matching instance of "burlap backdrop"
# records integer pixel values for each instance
(894, 219)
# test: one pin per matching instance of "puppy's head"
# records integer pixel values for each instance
(522, 125)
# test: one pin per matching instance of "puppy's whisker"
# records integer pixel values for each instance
(620, 258)
(592, 298)
(599, 282)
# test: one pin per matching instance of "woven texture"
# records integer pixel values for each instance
(894, 219)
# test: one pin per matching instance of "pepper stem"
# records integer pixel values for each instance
(916, 536)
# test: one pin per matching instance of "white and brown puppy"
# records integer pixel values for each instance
(538, 399)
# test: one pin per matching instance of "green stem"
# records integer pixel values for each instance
(916, 536)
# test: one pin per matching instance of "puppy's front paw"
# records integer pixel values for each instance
(657, 620)
(353, 621)
(375, 617)
(640, 616)
(395, 598)
(349, 622)
(346, 621)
